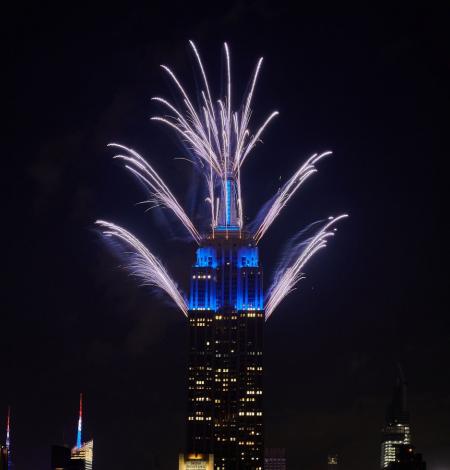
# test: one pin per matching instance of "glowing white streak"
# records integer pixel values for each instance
(198, 145)
(222, 114)
(287, 277)
(210, 120)
(256, 137)
(162, 199)
(252, 89)
(180, 117)
(210, 181)
(240, 204)
(228, 121)
(202, 70)
(287, 191)
(160, 192)
(144, 265)
(217, 209)
(192, 113)
(246, 113)
(183, 92)
(202, 146)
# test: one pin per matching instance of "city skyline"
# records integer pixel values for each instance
(370, 84)
(202, 437)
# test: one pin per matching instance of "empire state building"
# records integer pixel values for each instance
(226, 320)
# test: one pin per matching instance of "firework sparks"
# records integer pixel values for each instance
(286, 192)
(160, 193)
(219, 141)
(144, 265)
(216, 135)
(286, 278)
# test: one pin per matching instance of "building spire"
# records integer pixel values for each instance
(8, 437)
(8, 423)
(228, 217)
(80, 422)
(398, 408)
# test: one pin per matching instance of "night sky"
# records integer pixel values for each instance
(371, 84)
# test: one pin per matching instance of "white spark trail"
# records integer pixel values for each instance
(205, 80)
(161, 194)
(217, 135)
(241, 128)
(255, 139)
(287, 191)
(144, 265)
(287, 277)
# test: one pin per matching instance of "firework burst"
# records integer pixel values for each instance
(219, 140)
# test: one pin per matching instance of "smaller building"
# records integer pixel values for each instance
(333, 462)
(3, 458)
(196, 462)
(407, 459)
(275, 459)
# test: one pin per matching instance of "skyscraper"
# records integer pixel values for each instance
(82, 455)
(226, 320)
(396, 432)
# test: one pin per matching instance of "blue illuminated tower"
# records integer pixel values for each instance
(226, 320)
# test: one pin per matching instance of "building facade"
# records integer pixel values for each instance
(226, 320)
(82, 457)
(397, 430)
(407, 459)
(196, 462)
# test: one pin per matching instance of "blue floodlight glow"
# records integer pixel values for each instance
(203, 291)
(248, 293)
(248, 257)
(229, 228)
(228, 203)
(206, 257)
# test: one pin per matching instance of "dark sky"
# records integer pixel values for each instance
(369, 83)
